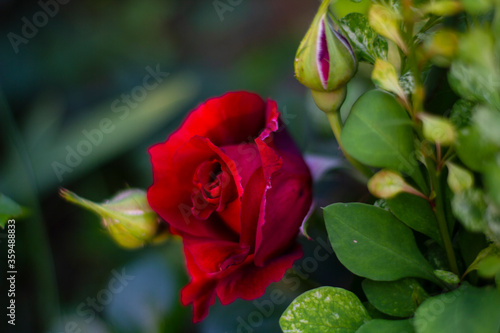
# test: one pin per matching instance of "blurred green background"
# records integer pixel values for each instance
(63, 78)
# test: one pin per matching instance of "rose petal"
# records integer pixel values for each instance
(200, 291)
(249, 281)
(251, 203)
(215, 256)
(229, 119)
(288, 198)
(170, 194)
(322, 55)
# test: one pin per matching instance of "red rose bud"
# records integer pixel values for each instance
(232, 183)
(325, 60)
(127, 216)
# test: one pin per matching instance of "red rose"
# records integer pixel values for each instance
(234, 186)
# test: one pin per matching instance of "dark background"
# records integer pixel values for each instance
(64, 79)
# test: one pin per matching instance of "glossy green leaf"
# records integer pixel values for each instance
(367, 44)
(8, 209)
(378, 132)
(416, 213)
(474, 149)
(325, 309)
(396, 298)
(465, 310)
(372, 243)
(386, 326)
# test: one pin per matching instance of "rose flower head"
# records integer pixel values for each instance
(231, 182)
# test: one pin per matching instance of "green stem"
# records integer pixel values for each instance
(336, 125)
(441, 216)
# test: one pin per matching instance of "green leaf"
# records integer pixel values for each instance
(465, 310)
(461, 114)
(374, 313)
(416, 213)
(469, 207)
(474, 149)
(8, 209)
(477, 7)
(474, 83)
(341, 8)
(471, 245)
(325, 309)
(490, 251)
(489, 267)
(492, 217)
(386, 326)
(407, 82)
(436, 256)
(378, 132)
(488, 122)
(367, 44)
(372, 243)
(396, 298)
(491, 181)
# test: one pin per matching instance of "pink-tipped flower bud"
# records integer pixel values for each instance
(325, 60)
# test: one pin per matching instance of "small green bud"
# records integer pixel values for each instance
(127, 216)
(386, 184)
(385, 77)
(438, 129)
(448, 277)
(386, 22)
(325, 60)
(329, 101)
(459, 179)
